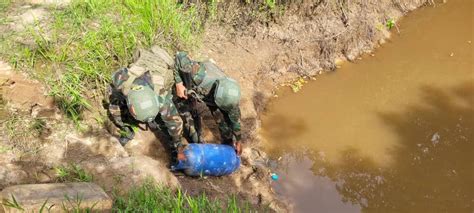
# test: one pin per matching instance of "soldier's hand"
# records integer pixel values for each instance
(180, 90)
(180, 154)
(238, 147)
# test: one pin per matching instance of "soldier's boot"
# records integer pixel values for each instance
(126, 135)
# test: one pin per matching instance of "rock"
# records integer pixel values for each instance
(28, 18)
(38, 111)
(5, 68)
(124, 173)
(58, 196)
(43, 177)
(82, 148)
(12, 174)
(52, 153)
(32, 15)
(54, 3)
(23, 93)
(147, 143)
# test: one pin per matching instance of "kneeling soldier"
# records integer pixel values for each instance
(205, 82)
(143, 92)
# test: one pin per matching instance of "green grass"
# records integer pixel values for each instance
(83, 44)
(78, 47)
(4, 4)
(390, 23)
(152, 198)
(270, 3)
(149, 197)
(71, 204)
(23, 132)
(12, 203)
(72, 173)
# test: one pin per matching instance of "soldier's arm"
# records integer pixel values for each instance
(169, 115)
(183, 64)
(233, 120)
(180, 88)
(177, 77)
(116, 102)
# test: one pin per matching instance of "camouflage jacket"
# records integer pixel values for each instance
(118, 108)
(203, 79)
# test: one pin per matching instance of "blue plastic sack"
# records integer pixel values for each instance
(208, 160)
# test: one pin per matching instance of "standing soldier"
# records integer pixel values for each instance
(142, 92)
(204, 81)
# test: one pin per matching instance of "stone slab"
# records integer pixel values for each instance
(61, 196)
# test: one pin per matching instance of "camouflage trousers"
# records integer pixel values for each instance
(190, 124)
(171, 120)
(191, 132)
(226, 132)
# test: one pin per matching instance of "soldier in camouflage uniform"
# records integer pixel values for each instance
(204, 81)
(142, 92)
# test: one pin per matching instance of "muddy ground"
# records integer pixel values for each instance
(261, 53)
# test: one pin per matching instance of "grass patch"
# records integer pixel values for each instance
(152, 198)
(72, 204)
(23, 132)
(72, 173)
(77, 48)
(4, 4)
(84, 43)
(149, 197)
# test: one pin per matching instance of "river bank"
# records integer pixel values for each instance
(295, 41)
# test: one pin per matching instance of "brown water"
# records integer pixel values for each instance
(392, 132)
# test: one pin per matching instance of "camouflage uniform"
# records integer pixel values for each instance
(122, 118)
(204, 77)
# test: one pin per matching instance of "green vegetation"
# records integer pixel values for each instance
(13, 203)
(270, 3)
(76, 53)
(152, 198)
(75, 50)
(74, 204)
(72, 173)
(390, 23)
(149, 197)
(71, 205)
(297, 84)
(24, 133)
(4, 4)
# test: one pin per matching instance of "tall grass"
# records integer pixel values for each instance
(23, 134)
(4, 4)
(78, 47)
(72, 173)
(89, 39)
(152, 198)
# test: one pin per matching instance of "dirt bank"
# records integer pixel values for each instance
(261, 51)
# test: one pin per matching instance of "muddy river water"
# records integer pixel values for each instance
(393, 132)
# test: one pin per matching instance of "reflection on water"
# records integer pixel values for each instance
(433, 169)
(392, 133)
